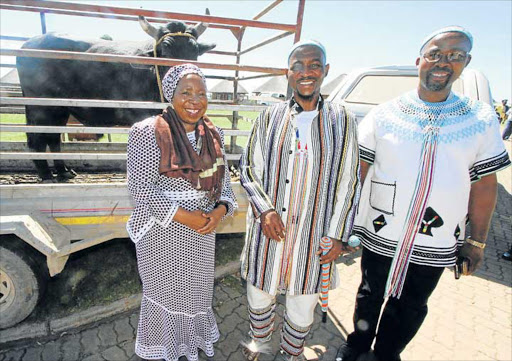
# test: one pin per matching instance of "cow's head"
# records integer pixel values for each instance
(178, 46)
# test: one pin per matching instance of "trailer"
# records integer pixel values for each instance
(41, 225)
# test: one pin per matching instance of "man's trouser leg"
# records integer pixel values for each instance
(261, 313)
(298, 318)
(369, 299)
(402, 317)
(508, 130)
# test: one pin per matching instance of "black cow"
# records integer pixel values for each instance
(52, 78)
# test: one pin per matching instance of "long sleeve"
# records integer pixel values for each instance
(348, 183)
(252, 167)
(143, 157)
(227, 194)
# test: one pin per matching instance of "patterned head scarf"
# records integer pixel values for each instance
(448, 29)
(306, 43)
(174, 75)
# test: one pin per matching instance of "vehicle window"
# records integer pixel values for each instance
(377, 89)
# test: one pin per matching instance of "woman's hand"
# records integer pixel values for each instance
(191, 219)
(213, 219)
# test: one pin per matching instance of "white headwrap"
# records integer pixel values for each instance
(173, 76)
(306, 43)
(448, 29)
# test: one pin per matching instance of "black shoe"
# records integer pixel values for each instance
(507, 255)
(347, 353)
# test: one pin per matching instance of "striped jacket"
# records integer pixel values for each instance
(332, 192)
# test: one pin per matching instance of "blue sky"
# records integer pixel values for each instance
(355, 33)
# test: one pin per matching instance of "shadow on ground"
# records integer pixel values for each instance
(106, 273)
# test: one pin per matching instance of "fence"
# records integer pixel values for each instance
(235, 26)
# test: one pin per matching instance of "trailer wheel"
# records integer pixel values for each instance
(22, 282)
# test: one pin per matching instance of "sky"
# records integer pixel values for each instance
(356, 34)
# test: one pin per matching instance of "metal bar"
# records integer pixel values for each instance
(234, 120)
(267, 9)
(220, 77)
(220, 52)
(265, 42)
(81, 103)
(90, 130)
(151, 13)
(256, 77)
(73, 55)
(7, 65)
(300, 17)
(63, 156)
(116, 104)
(16, 38)
(62, 129)
(98, 15)
(76, 156)
(43, 23)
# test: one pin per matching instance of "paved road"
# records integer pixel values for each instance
(469, 319)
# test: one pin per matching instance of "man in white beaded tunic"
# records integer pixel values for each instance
(428, 163)
(178, 178)
(300, 172)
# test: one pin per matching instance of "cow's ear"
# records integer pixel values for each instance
(203, 48)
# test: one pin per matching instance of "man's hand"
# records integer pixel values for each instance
(338, 248)
(272, 225)
(213, 219)
(475, 256)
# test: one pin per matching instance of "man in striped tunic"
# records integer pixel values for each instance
(300, 172)
(428, 161)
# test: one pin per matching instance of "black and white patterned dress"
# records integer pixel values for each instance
(176, 264)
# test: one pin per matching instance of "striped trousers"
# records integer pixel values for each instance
(298, 318)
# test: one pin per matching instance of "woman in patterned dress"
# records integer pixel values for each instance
(179, 180)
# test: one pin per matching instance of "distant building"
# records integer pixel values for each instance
(270, 92)
(11, 78)
(10, 87)
(275, 85)
(224, 91)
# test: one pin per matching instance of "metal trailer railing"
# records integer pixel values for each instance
(236, 26)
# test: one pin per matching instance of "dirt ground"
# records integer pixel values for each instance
(106, 273)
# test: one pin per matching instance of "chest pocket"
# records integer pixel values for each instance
(382, 196)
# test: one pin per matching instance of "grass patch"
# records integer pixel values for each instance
(220, 121)
(12, 119)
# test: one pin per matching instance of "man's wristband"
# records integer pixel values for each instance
(472, 242)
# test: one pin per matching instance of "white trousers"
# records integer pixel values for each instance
(299, 308)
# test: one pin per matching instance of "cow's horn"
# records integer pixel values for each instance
(201, 27)
(148, 28)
